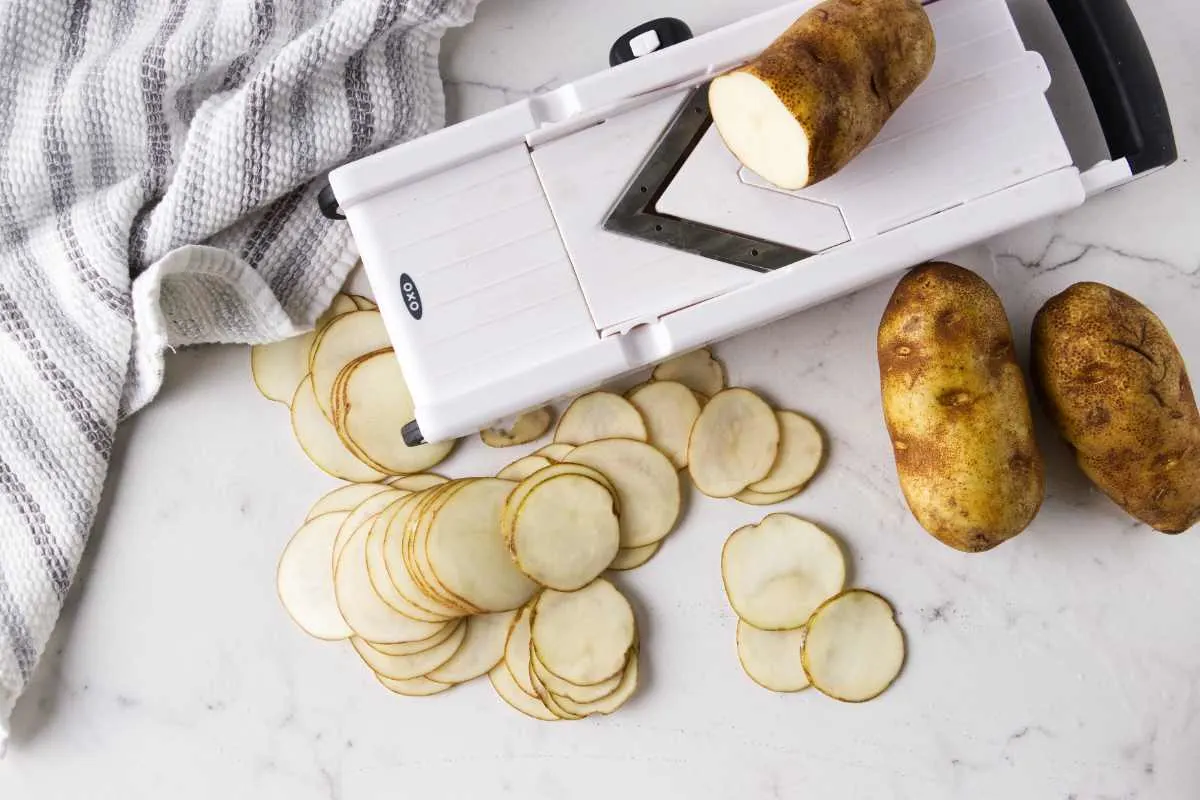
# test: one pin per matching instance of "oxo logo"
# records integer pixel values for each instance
(412, 298)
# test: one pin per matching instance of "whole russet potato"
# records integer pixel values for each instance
(955, 404)
(1113, 381)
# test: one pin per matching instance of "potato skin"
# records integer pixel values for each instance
(843, 68)
(955, 404)
(1113, 381)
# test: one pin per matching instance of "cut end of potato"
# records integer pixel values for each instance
(772, 658)
(759, 129)
(697, 370)
(528, 427)
(777, 572)
(854, 649)
(733, 444)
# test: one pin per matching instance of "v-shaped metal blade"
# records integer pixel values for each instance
(635, 214)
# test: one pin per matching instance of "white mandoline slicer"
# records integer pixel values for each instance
(564, 240)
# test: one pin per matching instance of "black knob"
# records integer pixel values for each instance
(649, 37)
(412, 434)
(327, 202)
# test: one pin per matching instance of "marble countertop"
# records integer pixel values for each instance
(1065, 664)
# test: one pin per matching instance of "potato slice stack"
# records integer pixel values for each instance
(784, 578)
(345, 390)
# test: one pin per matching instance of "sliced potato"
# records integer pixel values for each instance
(522, 468)
(772, 658)
(410, 648)
(527, 703)
(321, 443)
(345, 498)
(696, 370)
(528, 427)
(362, 303)
(304, 579)
(414, 483)
(753, 498)
(279, 367)
(566, 532)
(733, 444)
(599, 415)
(343, 340)
(364, 611)
(376, 399)
(547, 697)
(562, 689)
(381, 579)
(397, 568)
(610, 702)
(518, 648)
(628, 558)
(410, 666)
(466, 551)
(481, 650)
(669, 409)
(416, 553)
(556, 451)
(361, 513)
(800, 449)
(647, 486)
(854, 648)
(414, 687)
(777, 572)
(584, 636)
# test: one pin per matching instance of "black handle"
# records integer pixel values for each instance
(1116, 66)
(667, 30)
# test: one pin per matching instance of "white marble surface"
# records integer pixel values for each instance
(1065, 664)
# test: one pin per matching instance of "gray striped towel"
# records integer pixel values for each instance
(158, 169)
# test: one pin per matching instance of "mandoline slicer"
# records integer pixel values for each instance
(554, 244)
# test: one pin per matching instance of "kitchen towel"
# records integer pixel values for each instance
(159, 161)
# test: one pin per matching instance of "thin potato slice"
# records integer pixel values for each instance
(278, 368)
(517, 650)
(566, 532)
(528, 427)
(417, 552)
(415, 483)
(362, 303)
(753, 498)
(376, 397)
(800, 449)
(772, 658)
(410, 666)
(599, 415)
(481, 650)
(854, 648)
(419, 686)
(304, 579)
(566, 690)
(584, 636)
(547, 697)
(362, 512)
(647, 486)
(670, 410)
(733, 444)
(527, 703)
(522, 468)
(381, 579)
(366, 614)
(466, 551)
(411, 648)
(345, 498)
(624, 690)
(344, 339)
(696, 370)
(556, 451)
(777, 572)
(628, 558)
(398, 570)
(321, 443)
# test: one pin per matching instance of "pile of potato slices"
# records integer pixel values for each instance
(435, 582)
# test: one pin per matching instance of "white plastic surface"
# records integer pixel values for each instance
(644, 44)
(525, 297)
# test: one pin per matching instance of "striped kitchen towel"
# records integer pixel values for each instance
(159, 161)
